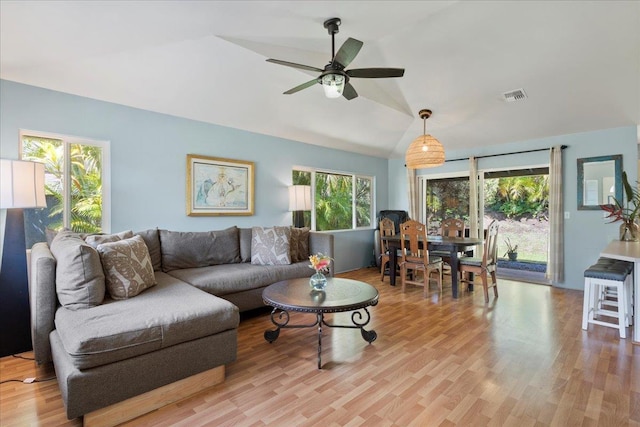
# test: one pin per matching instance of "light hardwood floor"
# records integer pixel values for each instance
(521, 360)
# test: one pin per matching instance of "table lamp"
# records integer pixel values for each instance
(21, 187)
(299, 201)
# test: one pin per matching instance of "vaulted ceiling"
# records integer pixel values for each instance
(577, 61)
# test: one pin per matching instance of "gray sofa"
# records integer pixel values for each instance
(183, 325)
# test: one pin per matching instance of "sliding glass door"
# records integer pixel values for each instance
(518, 199)
(444, 198)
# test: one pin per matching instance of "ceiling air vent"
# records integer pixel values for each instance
(514, 95)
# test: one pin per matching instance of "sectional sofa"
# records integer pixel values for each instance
(125, 316)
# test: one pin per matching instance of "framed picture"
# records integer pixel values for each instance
(218, 186)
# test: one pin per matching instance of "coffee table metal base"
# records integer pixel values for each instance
(280, 318)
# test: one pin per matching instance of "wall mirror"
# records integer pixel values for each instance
(599, 180)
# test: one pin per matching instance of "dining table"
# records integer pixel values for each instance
(452, 245)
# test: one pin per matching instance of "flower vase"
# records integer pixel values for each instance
(629, 231)
(318, 281)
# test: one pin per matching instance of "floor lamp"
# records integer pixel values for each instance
(21, 187)
(299, 201)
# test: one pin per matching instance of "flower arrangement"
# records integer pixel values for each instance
(319, 262)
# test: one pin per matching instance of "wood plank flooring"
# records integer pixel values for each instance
(521, 360)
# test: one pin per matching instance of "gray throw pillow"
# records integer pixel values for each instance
(95, 239)
(188, 249)
(244, 235)
(79, 277)
(270, 246)
(127, 267)
(299, 244)
(151, 238)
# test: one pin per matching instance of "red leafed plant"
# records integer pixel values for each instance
(625, 211)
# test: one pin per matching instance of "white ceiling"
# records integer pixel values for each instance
(578, 61)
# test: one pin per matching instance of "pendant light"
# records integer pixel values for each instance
(425, 151)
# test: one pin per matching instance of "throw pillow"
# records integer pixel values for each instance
(152, 238)
(79, 276)
(127, 267)
(270, 246)
(300, 244)
(95, 239)
(199, 249)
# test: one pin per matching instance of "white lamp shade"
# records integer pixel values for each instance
(21, 184)
(299, 198)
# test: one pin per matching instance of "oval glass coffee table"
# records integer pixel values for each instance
(338, 296)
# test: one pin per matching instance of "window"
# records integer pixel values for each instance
(342, 201)
(445, 198)
(76, 184)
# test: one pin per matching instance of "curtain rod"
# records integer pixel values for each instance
(506, 154)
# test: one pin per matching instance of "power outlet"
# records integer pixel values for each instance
(567, 215)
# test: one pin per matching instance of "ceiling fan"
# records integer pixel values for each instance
(334, 78)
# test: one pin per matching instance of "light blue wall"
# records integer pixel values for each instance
(148, 162)
(148, 154)
(586, 232)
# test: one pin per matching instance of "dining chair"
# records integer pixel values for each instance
(484, 266)
(387, 228)
(452, 227)
(415, 256)
(449, 227)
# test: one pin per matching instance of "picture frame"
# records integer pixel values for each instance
(218, 186)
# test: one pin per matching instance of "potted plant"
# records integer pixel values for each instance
(625, 211)
(512, 250)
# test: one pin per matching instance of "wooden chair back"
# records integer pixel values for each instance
(490, 255)
(452, 227)
(387, 228)
(412, 233)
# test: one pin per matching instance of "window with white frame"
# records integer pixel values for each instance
(76, 184)
(341, 201)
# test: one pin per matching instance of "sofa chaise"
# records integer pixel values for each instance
(118, 344)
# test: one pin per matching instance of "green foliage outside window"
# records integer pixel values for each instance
(334, 201)
(85, 185)
(523, 196)
(333, 197)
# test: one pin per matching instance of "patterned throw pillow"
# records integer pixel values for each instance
(95, 239)
(300, 244)
(270, 246)
(127, 267)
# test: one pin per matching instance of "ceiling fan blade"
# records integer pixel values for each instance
(294, 65)
(302, 86)
(347, 52)
(349, 92)
(375, 73)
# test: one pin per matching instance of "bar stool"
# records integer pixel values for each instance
(603, 281)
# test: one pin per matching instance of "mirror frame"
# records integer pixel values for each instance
(617, 159)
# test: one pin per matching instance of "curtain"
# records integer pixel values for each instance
(473, 197)
(474, 206)
(413, 195)
(555, 253)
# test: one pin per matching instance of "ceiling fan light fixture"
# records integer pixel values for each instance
(333, 85)
(425, 151)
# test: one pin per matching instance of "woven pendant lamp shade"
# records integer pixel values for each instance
(425, 151)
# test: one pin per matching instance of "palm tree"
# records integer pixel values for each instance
(85, 186)
(333, 199)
